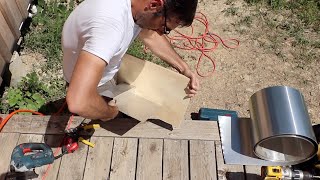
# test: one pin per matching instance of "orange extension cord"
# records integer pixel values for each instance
(193, 42)
(6, 119)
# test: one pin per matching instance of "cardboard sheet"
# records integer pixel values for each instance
(145, 91)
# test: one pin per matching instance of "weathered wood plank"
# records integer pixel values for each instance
(51, 171)
(175, 160)
(187, 130)
(202, 160)
(117, 128)
(72, 165)
(30, 138)
(7, 39)
(2, 65)
(227, 172)
(99, 158)
(8, 143)
(12, 15)
(20, 124)
(53, 124)
(124, 159)
(149, 162)
(23, 7)
(34, 124)
(253, 173)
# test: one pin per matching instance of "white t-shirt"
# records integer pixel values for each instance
(102, 27)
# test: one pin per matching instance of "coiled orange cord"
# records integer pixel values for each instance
(194, 42)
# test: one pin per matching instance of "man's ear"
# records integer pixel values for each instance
(155, 5)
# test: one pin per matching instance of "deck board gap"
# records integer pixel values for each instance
(58, 170)
(189, 163)
(245, 172)
(111, 158)
(216, 156)
(137, 156)
(162, 172)
(85, 163)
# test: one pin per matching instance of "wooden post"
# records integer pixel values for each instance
(23, 7)
(2, 68)
(2, 65)
(7, 39)
(12, 15)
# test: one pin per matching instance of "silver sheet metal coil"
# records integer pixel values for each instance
(281, 127)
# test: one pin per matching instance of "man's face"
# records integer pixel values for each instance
(158, 22)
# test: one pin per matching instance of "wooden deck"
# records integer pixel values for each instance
(127, 149)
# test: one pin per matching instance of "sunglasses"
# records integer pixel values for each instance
(166, 30)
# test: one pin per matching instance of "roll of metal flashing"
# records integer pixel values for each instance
(281, 128)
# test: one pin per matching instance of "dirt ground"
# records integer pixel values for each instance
(245, 70)
(249, 68)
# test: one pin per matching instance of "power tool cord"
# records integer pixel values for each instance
(6, 119)
(201, 42)
(57, 150)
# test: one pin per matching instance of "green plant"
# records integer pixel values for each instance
(44, 36)
(247, 21)
(305, 56)
(229, 2)
(136, 49)
(289, 24)
(30, 94)
(308, 11)
(277, 4)
(316, 44)
(231, 11)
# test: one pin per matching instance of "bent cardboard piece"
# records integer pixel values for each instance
(148, 91)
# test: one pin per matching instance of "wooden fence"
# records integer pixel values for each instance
(12, 15)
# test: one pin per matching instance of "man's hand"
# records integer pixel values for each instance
(162, 48)
(113, 109)
(194, 84)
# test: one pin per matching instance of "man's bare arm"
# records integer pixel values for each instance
(162, 48)
(82, 95)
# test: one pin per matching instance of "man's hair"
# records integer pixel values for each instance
(183, 10)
